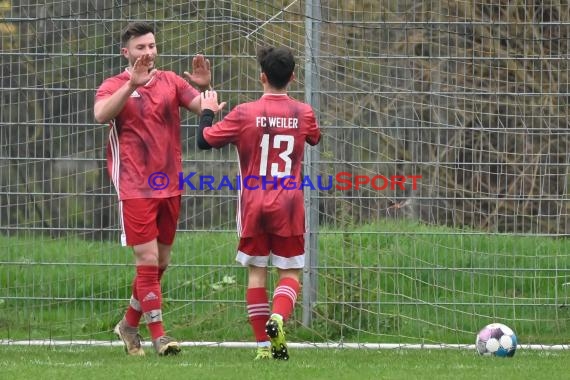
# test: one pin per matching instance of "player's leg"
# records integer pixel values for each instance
(128, 327)
(167, 221)
(254, 253)
(163, 258)
(258, 308)
(150, 293)
(134, 313)
(148, 287)
(137, 216)
(289, 258)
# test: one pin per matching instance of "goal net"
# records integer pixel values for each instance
(438, 199)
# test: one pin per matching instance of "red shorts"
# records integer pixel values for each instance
(146, 219)
(286, 252)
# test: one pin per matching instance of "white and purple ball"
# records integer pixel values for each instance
(496, 339)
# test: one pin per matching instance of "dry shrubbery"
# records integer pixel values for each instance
(472, 95)
(479, 107)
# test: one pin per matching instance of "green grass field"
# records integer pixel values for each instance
(398, 282)
(26, 362)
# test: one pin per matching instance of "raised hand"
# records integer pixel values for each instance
(142, 70)
(209, 100)
(201, 74)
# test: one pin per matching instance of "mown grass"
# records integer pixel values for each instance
(395, 282)
(30, 362)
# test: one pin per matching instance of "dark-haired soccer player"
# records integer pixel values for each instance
(142, 105)
(270, 135)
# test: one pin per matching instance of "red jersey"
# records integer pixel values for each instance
(269, 135)
(145, 136)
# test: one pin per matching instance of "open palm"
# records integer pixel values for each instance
(201, 74)
(141, 72)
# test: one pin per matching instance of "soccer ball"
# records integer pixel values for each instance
(496, 339)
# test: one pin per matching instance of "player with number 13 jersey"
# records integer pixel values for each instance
(269, 135)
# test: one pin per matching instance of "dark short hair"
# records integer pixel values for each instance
(135, 29)
(277, 63)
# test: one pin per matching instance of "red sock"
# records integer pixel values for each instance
(285, 296)
(134, 312)
(150, 298)
(258, 312)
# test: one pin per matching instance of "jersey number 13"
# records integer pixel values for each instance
(285, 144)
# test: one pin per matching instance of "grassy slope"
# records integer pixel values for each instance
(398, 282)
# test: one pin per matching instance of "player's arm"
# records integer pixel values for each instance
(206, 120)
(194, 105)
(201, 76)
(208, 106)
(315, 139)
(314, 135)
(109, 107)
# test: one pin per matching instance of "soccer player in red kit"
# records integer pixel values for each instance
(269, 135)
(142, 105)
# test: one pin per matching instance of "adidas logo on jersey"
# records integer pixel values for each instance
(135, 94)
